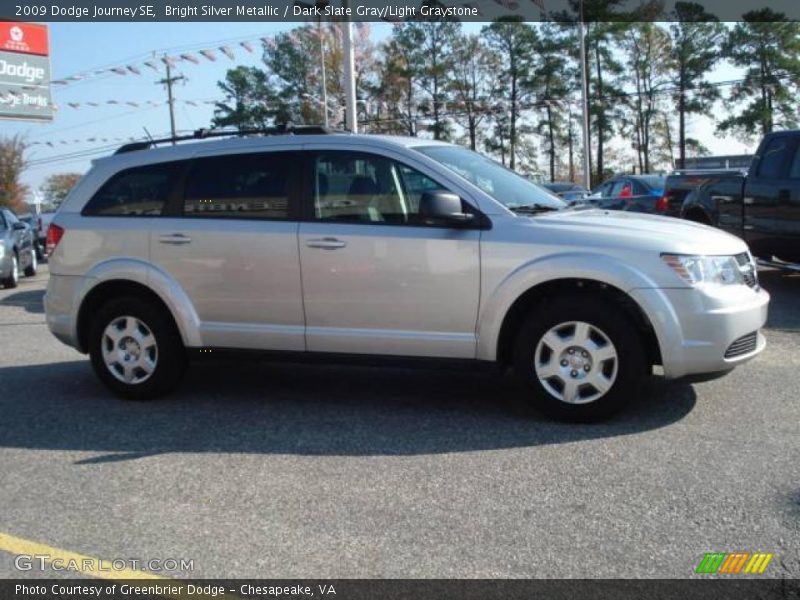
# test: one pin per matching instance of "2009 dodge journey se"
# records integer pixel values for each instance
(334, 243)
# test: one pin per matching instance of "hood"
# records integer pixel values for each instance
(640, 231)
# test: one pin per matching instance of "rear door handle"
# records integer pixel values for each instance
(327, 243)
(174, 238)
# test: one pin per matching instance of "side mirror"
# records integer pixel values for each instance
(19, 226)
(443, 208)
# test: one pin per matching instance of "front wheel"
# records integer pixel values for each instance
(136, 349)
(580, 358)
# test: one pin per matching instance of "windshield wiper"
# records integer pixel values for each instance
(531, 209)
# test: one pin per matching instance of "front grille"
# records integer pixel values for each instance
(748, 269)
(743, 345)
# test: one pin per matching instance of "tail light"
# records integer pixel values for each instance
(54, 235)
(662, 204)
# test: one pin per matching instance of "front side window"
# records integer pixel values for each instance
(240, 186)
(141, 191)
(366, 188)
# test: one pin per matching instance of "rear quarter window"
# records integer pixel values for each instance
(138, 192)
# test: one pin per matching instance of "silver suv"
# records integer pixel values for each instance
(369, 245)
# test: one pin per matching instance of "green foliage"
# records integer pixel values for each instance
(12, 164)
(696, 38)
(514, 43)
(249, 101)
(56, 187)
(767, 45)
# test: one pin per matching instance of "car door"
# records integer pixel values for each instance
(376, 279)
(788, 212)
(230, 244)
(19, 233)
(764, 191)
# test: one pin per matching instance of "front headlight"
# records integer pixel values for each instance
(705, 270)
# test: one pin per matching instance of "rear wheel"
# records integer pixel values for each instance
(135, 349)
(580, 358)
(13, 278)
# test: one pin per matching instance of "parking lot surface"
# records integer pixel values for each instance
(277, 470)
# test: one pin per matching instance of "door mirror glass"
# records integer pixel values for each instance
(19, 226)
(443, 208)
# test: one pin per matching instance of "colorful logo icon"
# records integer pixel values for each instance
(735, 563)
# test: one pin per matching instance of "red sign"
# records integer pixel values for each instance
(27, 38)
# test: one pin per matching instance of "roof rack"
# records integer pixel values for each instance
(203, 133)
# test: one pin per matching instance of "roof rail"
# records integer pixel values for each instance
(203, 133)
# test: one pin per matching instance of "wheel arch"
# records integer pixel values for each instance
(108, 290)
(134, 278)
(544, 292)
(694, 208)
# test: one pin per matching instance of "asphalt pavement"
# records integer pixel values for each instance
(262, 470)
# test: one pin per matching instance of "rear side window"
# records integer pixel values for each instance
(138, 192)
(774, 159)
(240, 186)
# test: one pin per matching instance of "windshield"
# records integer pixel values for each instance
(505, 186)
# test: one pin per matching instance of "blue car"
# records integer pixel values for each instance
(635, 193)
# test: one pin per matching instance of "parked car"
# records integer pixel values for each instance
(569, 192)
(634, 193)
(33, 223)
(43, 224)
(340, 245)
(17, 252)
(760, 205)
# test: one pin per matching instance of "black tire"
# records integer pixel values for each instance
(30, 270)
(13, 279)
(171, 354)
(630, 364)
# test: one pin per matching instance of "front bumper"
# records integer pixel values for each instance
(696, 328)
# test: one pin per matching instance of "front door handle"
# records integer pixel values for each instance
(174, 238)
(327, 243)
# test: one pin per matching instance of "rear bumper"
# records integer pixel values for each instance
(696, 328)
(61, 307)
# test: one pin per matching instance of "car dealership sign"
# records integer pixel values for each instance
(24, 71)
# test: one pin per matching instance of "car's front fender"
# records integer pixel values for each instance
(500, 293)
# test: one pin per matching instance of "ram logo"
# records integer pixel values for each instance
(734, 563)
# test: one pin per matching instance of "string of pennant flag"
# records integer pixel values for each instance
(157, 64)
(139, 104)
(196, 57)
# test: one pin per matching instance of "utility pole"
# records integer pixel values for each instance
(168, 81)
(587, 175)
(349, 74)
(322, 67)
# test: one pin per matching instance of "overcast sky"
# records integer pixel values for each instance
(80, 47)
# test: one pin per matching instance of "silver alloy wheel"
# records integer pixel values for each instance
(576, 362)
(14, 269)
(130, 351)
